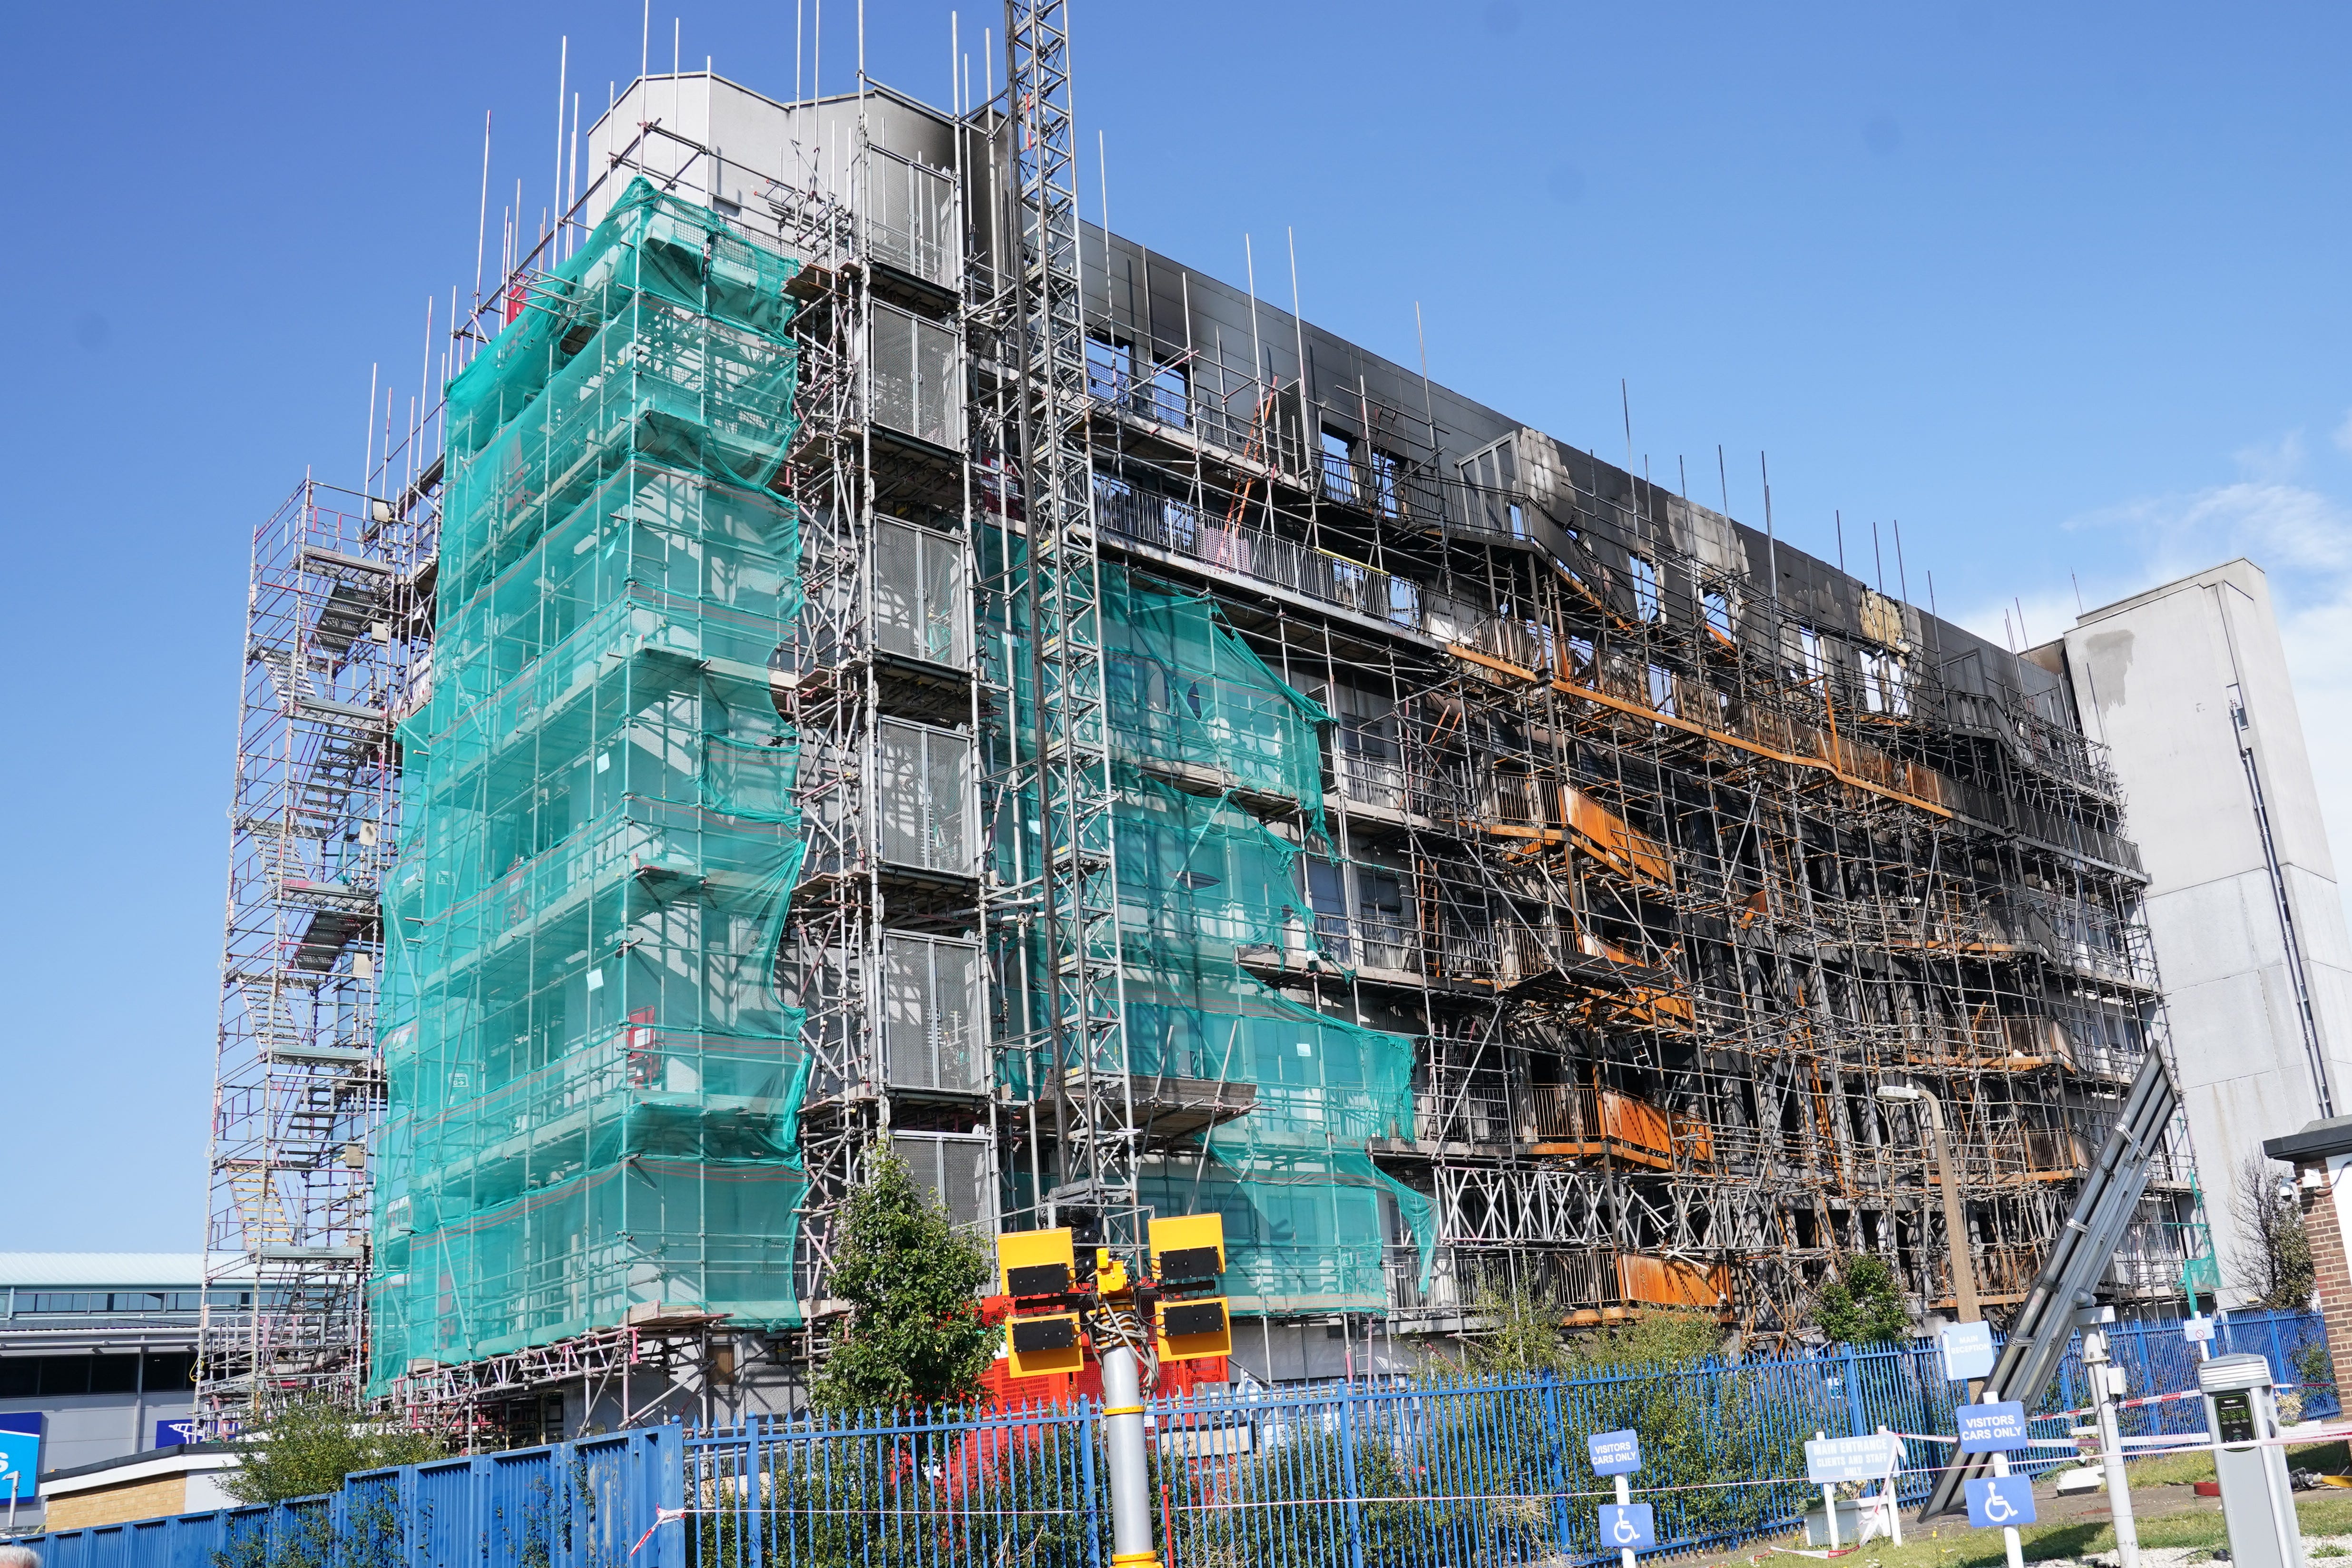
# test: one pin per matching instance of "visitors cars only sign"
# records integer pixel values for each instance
(1993, 1429)
(1614, 1453)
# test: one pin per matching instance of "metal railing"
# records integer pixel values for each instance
(1347, 1475)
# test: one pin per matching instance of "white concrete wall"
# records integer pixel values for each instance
(2153, 677)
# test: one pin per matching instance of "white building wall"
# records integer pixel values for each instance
(2161, 679)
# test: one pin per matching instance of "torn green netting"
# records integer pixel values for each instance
(1210, 899)
(596, 1084)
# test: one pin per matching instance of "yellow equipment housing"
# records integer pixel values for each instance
(1048, 1343)
(1191, 1330)
(1036, 1262)
(1189, 1248)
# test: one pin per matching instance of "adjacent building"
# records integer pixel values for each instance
(98, 1352)
(2187, 687)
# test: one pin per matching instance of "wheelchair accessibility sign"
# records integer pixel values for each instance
(2000, 1502)
(1628, 1527)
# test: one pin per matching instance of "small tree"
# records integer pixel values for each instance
(309, 1446)
(2275, 1255)
(1864, 1305)
(912, 1281)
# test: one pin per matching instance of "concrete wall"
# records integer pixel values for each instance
(2157, 677)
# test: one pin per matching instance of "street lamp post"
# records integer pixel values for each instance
(1956, 1225)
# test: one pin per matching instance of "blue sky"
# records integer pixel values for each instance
(2061, 288)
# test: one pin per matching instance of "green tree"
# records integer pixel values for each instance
(1864, 1305)
(309, 1445)
(912, 1281)
(2275, 1255)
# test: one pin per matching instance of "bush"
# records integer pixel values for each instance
(1864, 1305)
(912, 1281)
(309, 1446)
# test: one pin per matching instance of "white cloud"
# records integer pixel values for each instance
(2342, 437)
(2276, 462)
(2300, 537)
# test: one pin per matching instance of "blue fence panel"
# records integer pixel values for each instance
(583, 1504)
(1346, 1475)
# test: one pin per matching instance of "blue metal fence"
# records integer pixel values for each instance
(1335, 1476)
(583, 1504)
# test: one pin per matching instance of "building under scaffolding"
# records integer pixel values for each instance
(904, 664)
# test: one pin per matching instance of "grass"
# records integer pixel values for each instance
(1951, 1544)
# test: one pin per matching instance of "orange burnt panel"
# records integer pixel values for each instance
(1614, 839)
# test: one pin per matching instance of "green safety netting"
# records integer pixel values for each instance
(1209, 893)
(595, 1082)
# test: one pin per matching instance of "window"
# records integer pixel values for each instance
(1716, 607)
(1662, 690)
(1646, 602)
(1111, 370)
(1882, 684)
(1338, 466)
(1808, 650)
(1171, 396)
(1326, 896)
(1382, 471)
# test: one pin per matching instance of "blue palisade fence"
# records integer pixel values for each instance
(1329, 1475)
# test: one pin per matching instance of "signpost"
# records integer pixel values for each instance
(1998, 1428)
(1614, 1453)
(1627, 1525)
(2000, 1502)
(1993, 1429)
(1967, 1351)
(1829, 1460)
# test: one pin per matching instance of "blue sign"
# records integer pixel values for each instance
(1628, 1527)
(1614, 1453)
(184, 1430)
(1967, 1351)
(2000, 1502)
(20, 1463)
(1993, 1429)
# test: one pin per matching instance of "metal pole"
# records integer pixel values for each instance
(1624, 1499)
(1829, 1507)
(2111, 1441)
(1955, 1224)
(1130, 1491)
(2011, 1541)
(1894, 1504)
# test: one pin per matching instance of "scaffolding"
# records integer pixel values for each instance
(895, 678)
(332, 636)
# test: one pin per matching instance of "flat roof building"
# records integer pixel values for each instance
(1135, 751)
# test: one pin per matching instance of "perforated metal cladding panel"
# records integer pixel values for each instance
(909, 217)
(923, 796)
(930, 1015)
(915, 387)
(921, 609)
(956, 1169)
